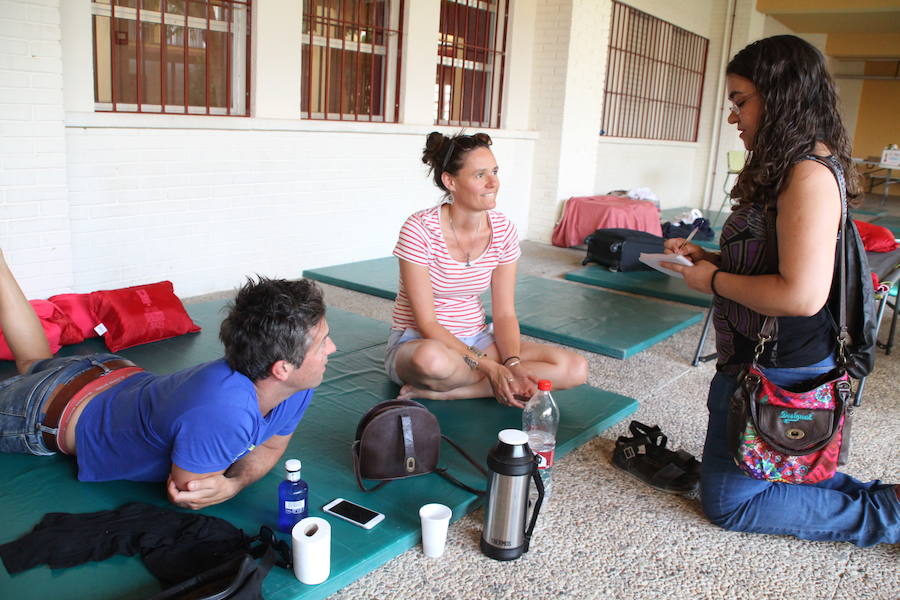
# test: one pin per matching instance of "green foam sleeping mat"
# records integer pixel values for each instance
(643, 283)
(577, 316)
(354, 381)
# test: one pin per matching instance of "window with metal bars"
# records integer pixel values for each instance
(468, 88)
(172, 56)
(351, 60)
(654, 78)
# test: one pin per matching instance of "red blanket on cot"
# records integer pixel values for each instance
(585, 214)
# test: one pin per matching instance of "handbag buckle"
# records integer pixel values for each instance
(410, 464)
(795, 434)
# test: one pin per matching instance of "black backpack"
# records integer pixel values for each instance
(853, 280)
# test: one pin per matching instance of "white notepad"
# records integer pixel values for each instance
(654, 260)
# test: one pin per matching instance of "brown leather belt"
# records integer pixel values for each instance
(56, 404)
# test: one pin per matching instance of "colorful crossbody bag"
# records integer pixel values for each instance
(788, 435)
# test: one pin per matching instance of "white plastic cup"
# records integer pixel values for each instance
(435, 520)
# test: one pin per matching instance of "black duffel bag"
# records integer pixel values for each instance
(618, 249)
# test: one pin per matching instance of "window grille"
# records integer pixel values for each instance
(172, 56)
(471, 60)
(654, 78)
(351, 60)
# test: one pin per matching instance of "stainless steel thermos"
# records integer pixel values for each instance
(511, 466)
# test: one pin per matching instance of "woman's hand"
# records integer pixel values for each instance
(677, 246)
(526, 379)
(504, 384)
(697, 277)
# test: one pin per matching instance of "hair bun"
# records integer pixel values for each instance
(433, 145)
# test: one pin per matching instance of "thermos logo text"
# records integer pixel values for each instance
(499, 542)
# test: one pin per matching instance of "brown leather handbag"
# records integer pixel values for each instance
(397, 439)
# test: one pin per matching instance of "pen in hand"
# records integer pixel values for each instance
(689, 238)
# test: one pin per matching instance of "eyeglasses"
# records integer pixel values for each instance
(736, 108)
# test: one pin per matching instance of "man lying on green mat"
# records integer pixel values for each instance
(207, 431)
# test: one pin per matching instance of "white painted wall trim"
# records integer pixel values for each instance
(208, 123)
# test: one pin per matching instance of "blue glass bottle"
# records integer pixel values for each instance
(293, 493)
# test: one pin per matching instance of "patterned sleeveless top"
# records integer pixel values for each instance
(799, 341)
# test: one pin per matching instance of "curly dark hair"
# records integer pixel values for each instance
(270, 320)
(446, 154)
(799, 108)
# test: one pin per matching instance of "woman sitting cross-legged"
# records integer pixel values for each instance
(440, 346)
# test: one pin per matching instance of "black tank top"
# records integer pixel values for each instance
(799, 341)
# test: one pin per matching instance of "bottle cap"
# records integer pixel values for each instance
(545, 385)
(292, 465)
(513, 437)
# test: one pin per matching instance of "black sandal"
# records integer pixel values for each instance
(645, 457)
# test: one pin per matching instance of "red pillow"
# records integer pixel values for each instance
(140, 314)
(69, 332)
(51, 329)
(77, 308)
(876, 238)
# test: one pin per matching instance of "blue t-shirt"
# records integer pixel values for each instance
(202, 419)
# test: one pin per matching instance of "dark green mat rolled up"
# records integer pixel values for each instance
(644, 283)
(354, 381)
(590, 319)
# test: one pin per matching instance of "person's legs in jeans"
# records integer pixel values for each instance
(840, 509)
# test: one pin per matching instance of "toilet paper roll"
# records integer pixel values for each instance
(312, 550)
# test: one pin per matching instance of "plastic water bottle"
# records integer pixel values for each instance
(540, 419)
(293, 493)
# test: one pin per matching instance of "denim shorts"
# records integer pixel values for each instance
(482, 340)
(23, 396)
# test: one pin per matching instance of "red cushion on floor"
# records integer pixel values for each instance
(69, 332)
(52, 330)
(140, 314)
(77, 308)
(876, 238)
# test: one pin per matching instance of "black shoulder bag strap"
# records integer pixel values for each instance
(443, 471)
(843, 334)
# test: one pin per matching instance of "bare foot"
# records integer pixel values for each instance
(410, 392)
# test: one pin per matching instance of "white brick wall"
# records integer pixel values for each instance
(205, 208)
(570, 59)
(675, 172)
(34, 213)
(98, 200)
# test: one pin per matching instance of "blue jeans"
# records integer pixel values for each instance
(23, 396)
(838, 509)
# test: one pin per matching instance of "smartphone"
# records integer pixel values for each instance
(356, 514)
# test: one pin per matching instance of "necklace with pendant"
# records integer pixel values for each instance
(453, 231)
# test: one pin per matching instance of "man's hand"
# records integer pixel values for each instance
(203, 492)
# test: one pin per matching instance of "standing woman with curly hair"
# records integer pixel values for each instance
(784, 105)
(440, 345)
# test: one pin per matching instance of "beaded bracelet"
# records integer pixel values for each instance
(712, 282)
(475, 351)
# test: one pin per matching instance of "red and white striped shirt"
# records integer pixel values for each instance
(455, 286)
